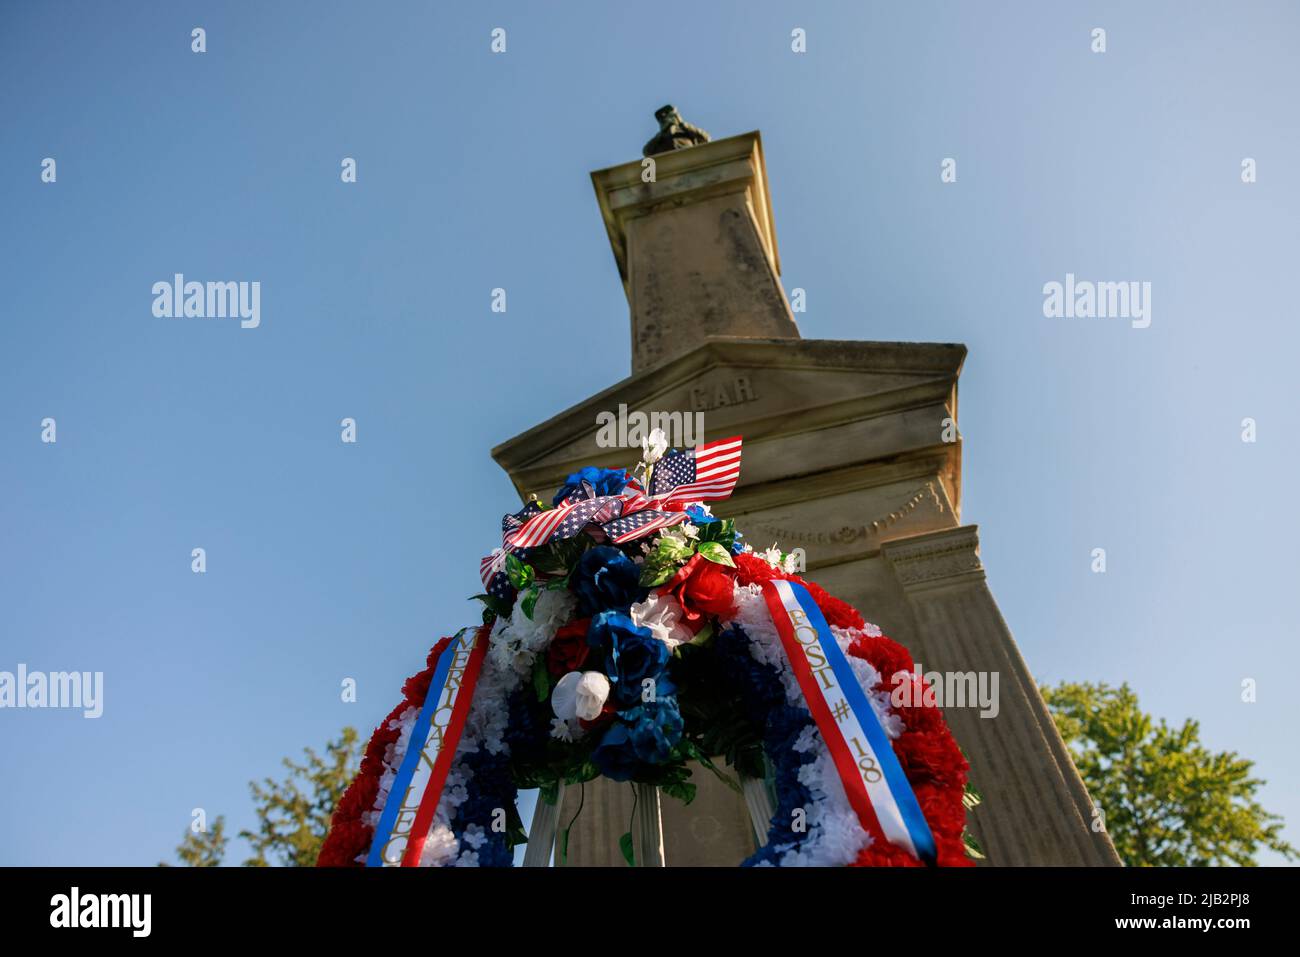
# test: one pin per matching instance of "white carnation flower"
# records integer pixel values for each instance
(475, 837)
(661, 613)
(560, 730)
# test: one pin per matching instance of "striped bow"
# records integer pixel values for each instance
(706, 473)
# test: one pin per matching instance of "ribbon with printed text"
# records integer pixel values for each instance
(413, 798)
(873, 779)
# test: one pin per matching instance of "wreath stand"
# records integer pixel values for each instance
(648, 822)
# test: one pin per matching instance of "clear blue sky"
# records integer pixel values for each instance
(328, 561)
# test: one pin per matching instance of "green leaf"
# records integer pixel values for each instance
(549, 560)
(673, 548)
(973, 848)
(521, 575)
(655, 572)
(515, 833)
(492, 606)
(583, 772)
(550, 792)
(723, 532)
(625, 845)
(971, 797)
(684, 791)
(541, 678)
(662, 563)
(529, 601)
(702, 639)
(715, 552)
(722, 775)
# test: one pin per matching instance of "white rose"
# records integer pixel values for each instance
(662, 614)
(580, 695)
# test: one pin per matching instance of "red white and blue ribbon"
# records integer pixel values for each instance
(413, 798)
(707, 473)
(873, 779)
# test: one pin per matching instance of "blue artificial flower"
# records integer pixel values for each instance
(655, 728)
(614, 755)
(764, 702)
(644, 735)
(602, 482)
(494, 787)
(632, 655)
(606, 579)
(699, 516)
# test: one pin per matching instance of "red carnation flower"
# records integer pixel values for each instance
(888, 657)
(752, 570)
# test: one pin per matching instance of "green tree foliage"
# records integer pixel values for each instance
(293, 814)
(203, 848)
(1165, 798)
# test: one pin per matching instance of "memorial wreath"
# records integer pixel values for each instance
(628, 631)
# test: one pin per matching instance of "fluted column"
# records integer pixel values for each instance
(759, 801)
(541, 835)
(648, 834)
(1036, 810)
(713, 829)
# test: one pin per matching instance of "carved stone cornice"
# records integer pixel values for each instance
(923, 559)
(808, 409)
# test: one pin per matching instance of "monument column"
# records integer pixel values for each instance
(695, 247)
(851, 458)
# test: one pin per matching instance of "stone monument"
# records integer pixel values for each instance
(851, 454)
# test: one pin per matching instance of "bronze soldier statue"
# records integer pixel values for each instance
(674, 133)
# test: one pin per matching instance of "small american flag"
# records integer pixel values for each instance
(490, 565)
(499, 587)
(702, 474)
(564, 521)
(707, 473)
(640, 524)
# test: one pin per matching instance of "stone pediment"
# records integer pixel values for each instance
(819, 417)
